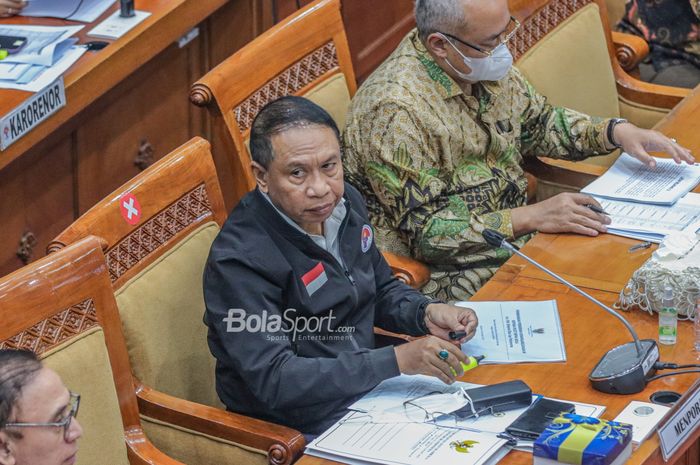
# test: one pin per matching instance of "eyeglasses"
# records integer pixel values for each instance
(416, 413)
(511, 29)
(64, 422)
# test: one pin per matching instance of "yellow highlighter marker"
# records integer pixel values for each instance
(473, 363)
(3, 54)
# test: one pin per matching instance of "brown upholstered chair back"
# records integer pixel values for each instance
(62, 308)
(156, 260)
(306, 54)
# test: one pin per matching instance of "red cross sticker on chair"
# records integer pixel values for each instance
(130, 208)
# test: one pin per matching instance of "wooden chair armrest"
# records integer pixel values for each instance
(383, 338)
(408, 270)
(577, 175)
(283, 445)
(644, 93)
(141, 452)
(629, 49)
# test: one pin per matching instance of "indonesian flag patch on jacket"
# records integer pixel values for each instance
(314, 279)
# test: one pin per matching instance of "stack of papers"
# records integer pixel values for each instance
(648, 203)
(652, 222)
(373, 432)
(631, 180)
(85, 11)
(49, 52)
(357, 442)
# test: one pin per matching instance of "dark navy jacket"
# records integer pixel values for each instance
(261, 267)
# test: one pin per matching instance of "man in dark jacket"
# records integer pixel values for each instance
(294, 285)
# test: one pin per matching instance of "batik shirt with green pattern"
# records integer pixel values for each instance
(439, 163)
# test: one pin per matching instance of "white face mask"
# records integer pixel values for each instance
(490, 68)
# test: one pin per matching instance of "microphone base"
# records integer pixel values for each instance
(623, 371)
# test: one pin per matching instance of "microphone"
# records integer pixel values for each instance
(623, 369)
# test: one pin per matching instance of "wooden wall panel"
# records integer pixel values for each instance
(37, 199)
(150, 107)
(374, 29)
(233, 26)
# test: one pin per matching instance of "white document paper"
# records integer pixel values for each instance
(75, 10)
(652, 222)
(12, 71)
(353, 440)
(516, 332)
(115, 26)
(43, 43)
(46, 76)
(630, 179)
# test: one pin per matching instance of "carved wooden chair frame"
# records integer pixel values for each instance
(299, 53)
(43, 305)
(188, 196)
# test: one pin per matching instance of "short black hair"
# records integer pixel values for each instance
(17, 369)
(280, 115)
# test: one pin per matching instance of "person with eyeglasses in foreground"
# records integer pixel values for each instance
(37, 413)
(436, 137)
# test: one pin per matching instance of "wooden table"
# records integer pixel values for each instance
(603, 265)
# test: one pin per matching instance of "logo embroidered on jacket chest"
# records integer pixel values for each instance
(366, 239)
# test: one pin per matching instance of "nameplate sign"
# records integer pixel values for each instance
(681, 422)
(31, 113)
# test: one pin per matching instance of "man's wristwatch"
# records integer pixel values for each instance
(611, 128)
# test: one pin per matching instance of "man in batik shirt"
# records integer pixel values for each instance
(672, 29)
(436, 136)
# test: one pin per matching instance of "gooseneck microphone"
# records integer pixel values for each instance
(623, 369)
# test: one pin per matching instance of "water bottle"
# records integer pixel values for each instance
(696, 324)
(668, 318)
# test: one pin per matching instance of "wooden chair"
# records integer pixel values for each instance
(306, 54)
(157, 231)
(567, 51)
(62, 308)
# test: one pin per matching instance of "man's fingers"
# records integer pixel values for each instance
(584, 231)
(439, 374)
(455, 365)
(456, 353)
(580, 199)
(641, 154)
(471, 328)
(443, 366)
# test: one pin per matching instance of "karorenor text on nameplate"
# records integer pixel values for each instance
(681, 422)
(30, 113)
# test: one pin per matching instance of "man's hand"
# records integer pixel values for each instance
(638, 142)
(421, 357)
(566, 212)
(11, 7)
(442, 318)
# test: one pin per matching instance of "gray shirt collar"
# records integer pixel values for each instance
(331, 227)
